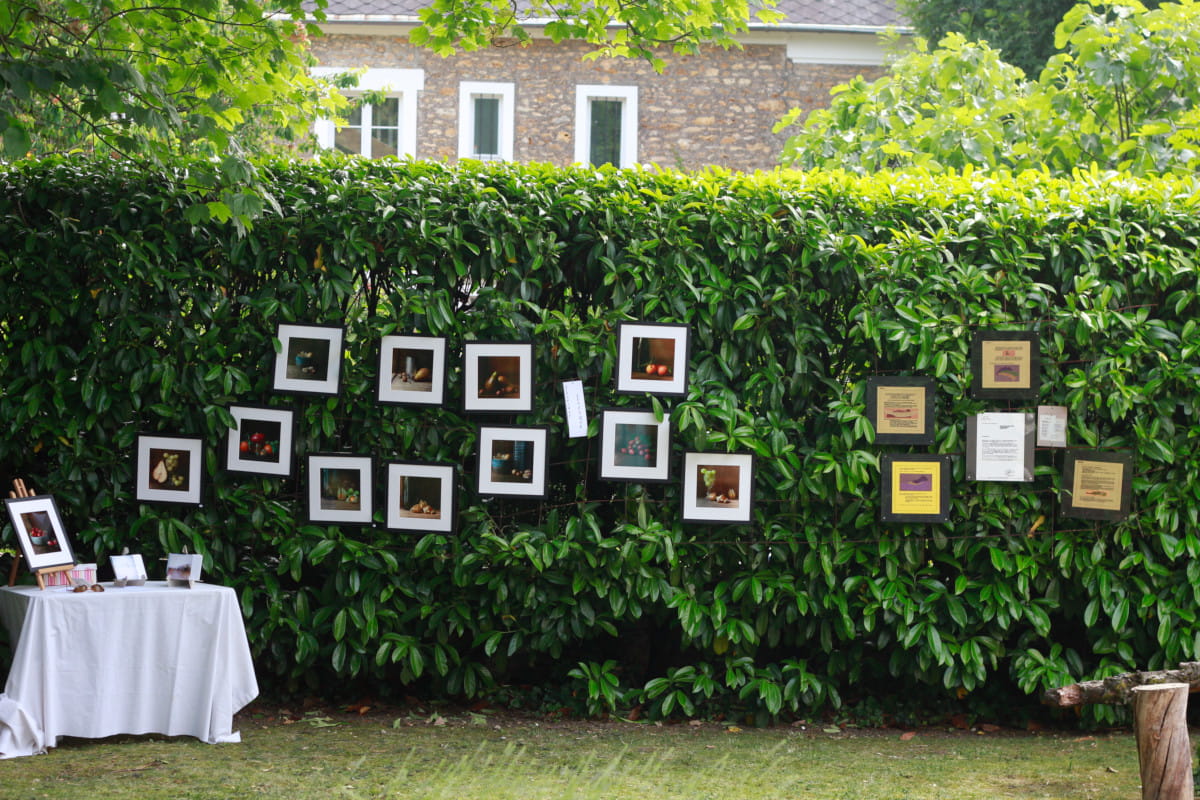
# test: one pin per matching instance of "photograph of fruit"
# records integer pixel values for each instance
(39, 530)
(412, 370)
(718, 487)
(421, 496)
(308, 359)
(656, 359)
(498, 377)
(260, 441)
(652, 358)
(634, 446)
(169, 469)
(340, 489)
(512, 460)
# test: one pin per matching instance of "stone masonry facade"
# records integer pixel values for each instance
(712, 109)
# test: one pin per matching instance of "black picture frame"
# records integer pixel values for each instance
(309, 359)
(718, 488)
(421, 497)
(1088, 490)
(412, 370)
(340, 489)
(498, 377)
(645, 345)
(261, 442)
(1005, 365)
(511, 461)
(634, 446)
(169, 469)
(902, 409)
(40, 532)
(914, 487)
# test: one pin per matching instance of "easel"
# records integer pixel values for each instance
(20, 490)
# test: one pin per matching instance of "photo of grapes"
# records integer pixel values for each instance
(636, 445)
(170, 470)
(308, 359)
(654, 359)
(717, 485)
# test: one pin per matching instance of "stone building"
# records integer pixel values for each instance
(542, 102)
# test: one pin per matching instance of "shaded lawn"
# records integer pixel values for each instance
(396, 754)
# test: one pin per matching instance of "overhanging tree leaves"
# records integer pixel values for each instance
(613, 27)
(140, 80)
(1122, 95)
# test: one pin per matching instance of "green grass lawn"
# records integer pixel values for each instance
(503, 757)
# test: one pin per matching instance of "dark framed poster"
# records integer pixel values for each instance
(1096, 484)
(1005, 364)
(1000, 446)
(915, 487)
(901, 409)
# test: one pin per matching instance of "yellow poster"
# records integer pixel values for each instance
(1006, 365)
(1098, 485)
(900, 409)
(916, 487)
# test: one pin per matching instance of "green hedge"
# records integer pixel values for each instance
(122, 313)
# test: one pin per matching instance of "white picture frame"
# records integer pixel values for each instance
(170, 469)
(421, 497)
(723, 496)
(512, 461)
(634, 446)
(309, 358)
(498, 377)
(340, 489)
(412, 370)
(261, 441)
(652, 358)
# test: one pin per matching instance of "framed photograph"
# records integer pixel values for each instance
(310, 359)
(915, 487)
(652, 358)
(1005, 364)
(498, 377)
(40, 532)
(184, 569)
(169, 469)
(901, 409)
(340, 489)
(1000, 446)
(262, 440)
(512, 461)
(412, 370)
(1096, 484)
(421, 497)
(718, 487)
(634, 446)
(128, 569)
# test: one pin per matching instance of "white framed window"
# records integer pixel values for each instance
(606, 125)
(381, 129)
(485, 120)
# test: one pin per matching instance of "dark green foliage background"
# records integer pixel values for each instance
(119, 315)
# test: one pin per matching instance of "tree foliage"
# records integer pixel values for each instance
(1022, 30)
(217, 78)
(1122, 94)
(612, 27)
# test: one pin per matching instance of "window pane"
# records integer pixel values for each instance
(606, 132)
(385, 128)
(487, 126)
(387, 113)
(348, 138)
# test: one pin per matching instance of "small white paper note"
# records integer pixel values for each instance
(577, 421)
(1052, 426)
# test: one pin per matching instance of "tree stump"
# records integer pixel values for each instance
(1164, 753)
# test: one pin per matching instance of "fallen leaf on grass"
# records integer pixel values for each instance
(733, 729)
(696, 723)
(988, 727)
(907, 735)
(833, 730)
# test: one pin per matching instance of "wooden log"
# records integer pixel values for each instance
(1117, 689)
(1164, 752)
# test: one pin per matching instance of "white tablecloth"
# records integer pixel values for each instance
(146, 659)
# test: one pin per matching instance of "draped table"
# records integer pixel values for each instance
(138, 659)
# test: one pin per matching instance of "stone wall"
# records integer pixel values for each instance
(712, 109)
